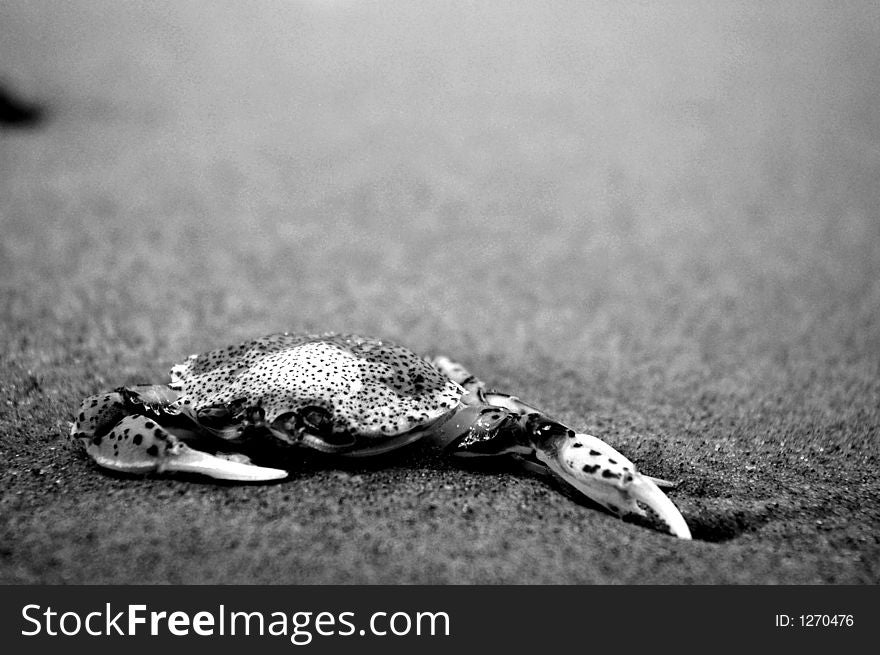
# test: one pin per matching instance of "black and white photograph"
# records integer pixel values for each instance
(389, 293)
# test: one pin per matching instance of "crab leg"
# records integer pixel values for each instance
(492, 423)
(594, 468)
(584, 462)
(118, 437)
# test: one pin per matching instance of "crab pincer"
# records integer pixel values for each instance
(607, 478)
(584, 462)
(136, 430)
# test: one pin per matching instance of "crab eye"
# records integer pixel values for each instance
(315, 419)
(255, 414)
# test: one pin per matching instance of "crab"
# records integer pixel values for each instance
(348, 396)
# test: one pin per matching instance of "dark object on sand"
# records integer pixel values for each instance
(15, 112)
(345, 395)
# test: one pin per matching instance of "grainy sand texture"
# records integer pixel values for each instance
(658, 221)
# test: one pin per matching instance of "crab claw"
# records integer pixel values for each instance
(605, 476)
(190, 460)
(137, 444)
(510, 427)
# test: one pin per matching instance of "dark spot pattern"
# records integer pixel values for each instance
(608, 473)
(369, 387)
(153, 451)
(590, 469)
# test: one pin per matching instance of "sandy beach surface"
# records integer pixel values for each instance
(659, 223)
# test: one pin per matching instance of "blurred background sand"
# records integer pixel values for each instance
(659, 221)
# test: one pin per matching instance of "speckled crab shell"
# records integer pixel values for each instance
(372, 388)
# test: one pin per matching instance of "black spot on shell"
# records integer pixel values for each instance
(595, 453)
(590, 469)
(610, 474)
(97, 439)
(138, 438)
(152, 451)
(577, 445)
(366, 382)
(149, 425)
